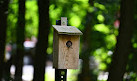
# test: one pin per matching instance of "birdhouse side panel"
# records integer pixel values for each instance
(55, 49)
(68, 55)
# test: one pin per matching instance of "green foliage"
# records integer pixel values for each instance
(103, 57)
(12, 21)
(101, 28)
(31, 18)
(100, 18)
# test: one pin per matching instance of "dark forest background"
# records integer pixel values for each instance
(108, 46)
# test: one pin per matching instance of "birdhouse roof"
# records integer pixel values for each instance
(68, 30)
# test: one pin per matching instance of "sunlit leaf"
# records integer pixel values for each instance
(100, 18)
(101, 28)
(75, 21)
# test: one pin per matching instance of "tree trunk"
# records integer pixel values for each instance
(120, 56)
(42, 44)
(3, 27)
(85, 75)
(20, 40)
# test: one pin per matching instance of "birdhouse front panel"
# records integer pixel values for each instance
(68, 54)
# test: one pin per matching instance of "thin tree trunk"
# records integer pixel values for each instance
(85, 75)
(3, 27)
(20, 40)
(120, 56)
(42, 44)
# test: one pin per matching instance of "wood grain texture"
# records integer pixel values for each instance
(68, 58)
(68, 30)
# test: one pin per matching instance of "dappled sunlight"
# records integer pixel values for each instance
(101, 28)
(75, 21)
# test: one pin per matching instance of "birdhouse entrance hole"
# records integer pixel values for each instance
(68, 44)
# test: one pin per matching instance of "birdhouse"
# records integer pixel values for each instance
(66, 42)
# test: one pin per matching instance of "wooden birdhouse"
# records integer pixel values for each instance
(66, 42)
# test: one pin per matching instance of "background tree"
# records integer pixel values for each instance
(42, 44)
(85, 74)
(132, 63)
(3, 26)
(20, 37)
(123, 46)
